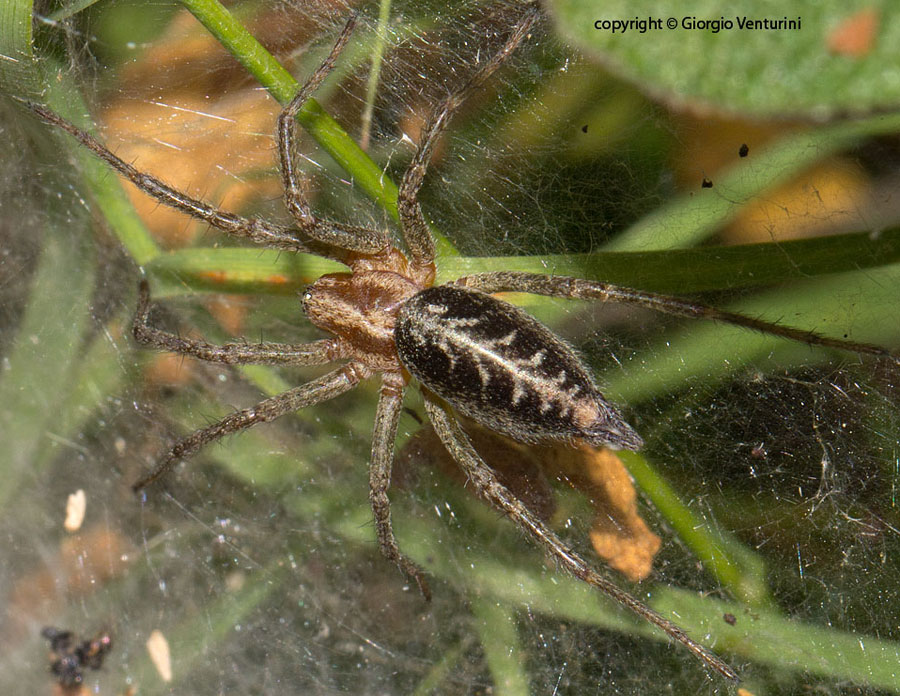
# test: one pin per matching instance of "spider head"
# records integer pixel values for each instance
(361, 309)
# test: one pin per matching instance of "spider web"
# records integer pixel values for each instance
(256, 560)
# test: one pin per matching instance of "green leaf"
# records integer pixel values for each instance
(692, 218)
(17, 72)
(743, 67)
(41, 367)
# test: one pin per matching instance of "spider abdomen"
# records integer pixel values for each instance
(503, 369)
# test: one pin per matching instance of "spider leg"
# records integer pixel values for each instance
(322, 389)
(386, 418)
(487, 485)
(416, 234)
(348, 238)
(256, 230)
(578, 288)
(265, 353)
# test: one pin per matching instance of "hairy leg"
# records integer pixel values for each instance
(322, 389)
(488, 486)
(266, 353)
(347, 238)
(386, 417)
(578, 288)
(256, 230)
(412, 222)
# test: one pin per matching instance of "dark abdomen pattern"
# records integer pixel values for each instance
(503, 369)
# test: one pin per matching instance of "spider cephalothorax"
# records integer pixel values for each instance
(473, 353)
(361, 307)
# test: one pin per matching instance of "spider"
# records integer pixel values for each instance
(470, 352)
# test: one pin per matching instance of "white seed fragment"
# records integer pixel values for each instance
(158, 649)
(76, 505)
